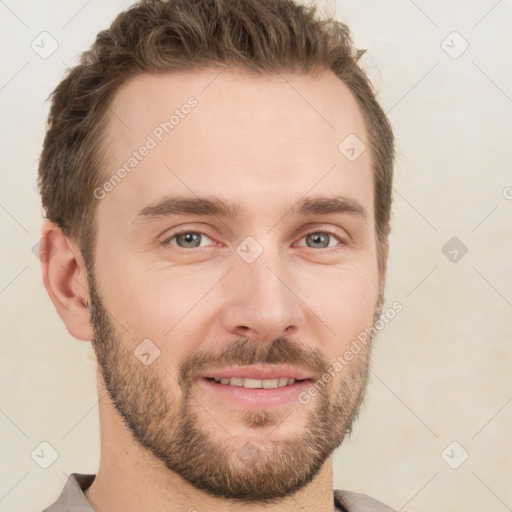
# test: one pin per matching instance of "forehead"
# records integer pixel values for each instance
(228, 132)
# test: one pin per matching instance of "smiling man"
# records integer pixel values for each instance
(217, 180)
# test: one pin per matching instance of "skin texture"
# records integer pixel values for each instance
(167, 439)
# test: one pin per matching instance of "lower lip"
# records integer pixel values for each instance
(256, 398)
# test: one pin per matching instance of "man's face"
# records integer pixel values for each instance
(232, 306)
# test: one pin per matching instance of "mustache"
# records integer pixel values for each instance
(245, 352)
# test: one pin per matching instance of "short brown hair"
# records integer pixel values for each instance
(165, 36)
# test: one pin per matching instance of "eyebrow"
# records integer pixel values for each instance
(215, 206)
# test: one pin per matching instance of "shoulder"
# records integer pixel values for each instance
(72, 496)
(357, 502)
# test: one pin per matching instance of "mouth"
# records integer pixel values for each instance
(256, 388)
(279, 382)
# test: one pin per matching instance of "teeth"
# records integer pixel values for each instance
(257, 383)
(271, 383)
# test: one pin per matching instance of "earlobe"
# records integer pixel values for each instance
(65, 280)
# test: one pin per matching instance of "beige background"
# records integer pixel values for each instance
(442, 367)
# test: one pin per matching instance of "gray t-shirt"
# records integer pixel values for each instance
(72, 498)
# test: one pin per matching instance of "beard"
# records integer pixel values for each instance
(261, 470)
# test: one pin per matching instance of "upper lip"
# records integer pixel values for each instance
(258, 372)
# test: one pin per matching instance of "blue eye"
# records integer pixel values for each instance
(319, 239)
(189, 239)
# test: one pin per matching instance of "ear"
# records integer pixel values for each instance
(65, 280)
(383, 267)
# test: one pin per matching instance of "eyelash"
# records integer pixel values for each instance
(314, 231)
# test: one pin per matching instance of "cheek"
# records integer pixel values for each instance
(145, 302)
(344, 299)
(170, 305)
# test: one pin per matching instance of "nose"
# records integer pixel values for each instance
(261, 303)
